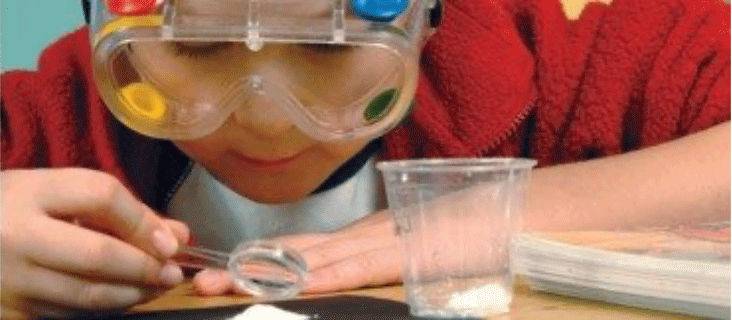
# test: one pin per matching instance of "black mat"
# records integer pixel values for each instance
(340, 307)
(344, 307)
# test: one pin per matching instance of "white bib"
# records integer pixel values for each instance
(220, 218)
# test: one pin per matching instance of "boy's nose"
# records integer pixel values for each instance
(263, 116)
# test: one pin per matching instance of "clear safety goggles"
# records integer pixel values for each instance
(336, 69)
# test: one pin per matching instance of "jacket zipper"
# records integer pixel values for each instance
(515, 123)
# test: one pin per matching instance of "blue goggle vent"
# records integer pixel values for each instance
(379, 10)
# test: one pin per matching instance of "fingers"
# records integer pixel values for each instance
(300, 242)
(372, 268)
(180, 230)
(364, 254)
(373, 226)
(100, 200)
(98, 256)
(57, 267)
(328, 252)
(379, 220)
(72, 292)
(213, 282)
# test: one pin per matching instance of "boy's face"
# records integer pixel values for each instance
(266, 165)
(258, 151)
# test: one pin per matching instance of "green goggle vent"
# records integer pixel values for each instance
(379, 107)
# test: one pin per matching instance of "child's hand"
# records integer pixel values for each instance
(75, 240)
(367, 252)
(363, 254)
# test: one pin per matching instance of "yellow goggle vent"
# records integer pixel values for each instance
(144, 100)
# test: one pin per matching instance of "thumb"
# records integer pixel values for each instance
(180, 230)
(213, 282)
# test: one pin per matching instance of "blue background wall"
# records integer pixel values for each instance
(27, 26)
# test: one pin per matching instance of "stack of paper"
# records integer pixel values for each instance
(680, 270)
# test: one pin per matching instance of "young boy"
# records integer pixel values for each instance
(507, 78)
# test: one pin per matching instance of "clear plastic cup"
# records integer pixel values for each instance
(455, 219)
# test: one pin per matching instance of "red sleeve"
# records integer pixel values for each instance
(518, 78)
(45, 113)
(21, 136)
(475, 84)
(629, 75)
(689, 85)
(54, 117)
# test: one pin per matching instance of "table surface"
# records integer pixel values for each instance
(527, 304)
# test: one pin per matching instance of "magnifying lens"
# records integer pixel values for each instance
(266, 270)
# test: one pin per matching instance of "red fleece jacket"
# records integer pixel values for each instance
(500, 78)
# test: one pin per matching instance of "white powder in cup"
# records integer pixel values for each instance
(485, 300)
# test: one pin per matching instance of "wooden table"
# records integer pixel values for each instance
(527, 304)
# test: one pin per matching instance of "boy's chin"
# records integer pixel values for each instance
(271, 192)
(275, 198)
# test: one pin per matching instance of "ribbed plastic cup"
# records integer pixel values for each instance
(455, 219)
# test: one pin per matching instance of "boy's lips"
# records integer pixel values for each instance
(274, 163)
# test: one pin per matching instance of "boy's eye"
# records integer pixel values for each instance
(325, 48)
(207, 49)
(198, 49)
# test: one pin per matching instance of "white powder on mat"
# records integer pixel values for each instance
(268, 312)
